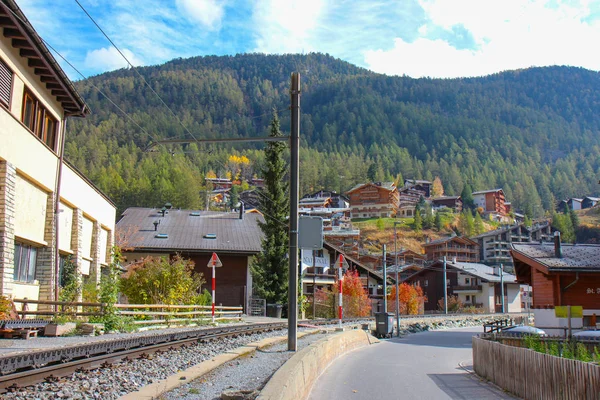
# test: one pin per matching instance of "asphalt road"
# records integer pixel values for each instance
(418, 366)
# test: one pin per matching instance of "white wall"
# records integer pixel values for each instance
(546, 319)
(65, 227)
(489, 301)
(30, 208)
(513, 301)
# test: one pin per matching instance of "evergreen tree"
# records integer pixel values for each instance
(467, 197)
(478, 224)
(270, 267)
(428, 218)
(438, 222)
(234, 196)
(574, 219)
(418, 222)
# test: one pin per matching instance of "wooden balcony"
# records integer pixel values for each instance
(467, 288)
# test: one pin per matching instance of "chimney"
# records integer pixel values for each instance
(156, 225)
(496, 271)
(454, 260)
(241, 210)
(557, 247)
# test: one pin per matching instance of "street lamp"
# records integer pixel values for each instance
(397, 288)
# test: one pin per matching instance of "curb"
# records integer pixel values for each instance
(156, 389)
(295, 379)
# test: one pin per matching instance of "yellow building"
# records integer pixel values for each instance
(48, 210)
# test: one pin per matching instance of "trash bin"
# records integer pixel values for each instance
(384, 324)
(274, 310)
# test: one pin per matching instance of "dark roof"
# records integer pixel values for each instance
(442, 198)
(488, 191)
(19, 30)
(186, 232)
(575, 257)
(416, 181)
(482, 271)
(448, 239)
(354, 260)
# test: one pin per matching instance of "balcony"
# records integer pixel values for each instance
(467, 288)
(318, 275)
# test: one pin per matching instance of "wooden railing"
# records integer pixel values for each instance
(142, 313)
(533, 375)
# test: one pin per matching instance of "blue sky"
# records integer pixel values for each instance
(437, 38)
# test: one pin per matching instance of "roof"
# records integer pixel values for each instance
(482, 271)
(24, 37)
(575, 199)
(592, 198)
(416, 181)
(186, 232)
(450, 238)
(442, 198)
(354, 260)
(575, 257)
(385, 185)
(488, 191)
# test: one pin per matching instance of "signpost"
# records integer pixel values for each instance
(214, 263)
(342, 262)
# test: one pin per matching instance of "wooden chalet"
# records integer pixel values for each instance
(376, 199)
(492, 201)
(456, 248)
(408, 198)
(452, 202)
(589, 202)
(560, 275)
(421, 185)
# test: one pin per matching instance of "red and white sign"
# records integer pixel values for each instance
(214, 263)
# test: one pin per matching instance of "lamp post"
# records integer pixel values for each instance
(397, 287)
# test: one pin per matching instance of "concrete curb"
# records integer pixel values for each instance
(294, 380)
(156, 389)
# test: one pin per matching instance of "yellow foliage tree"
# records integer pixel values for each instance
(438, 189)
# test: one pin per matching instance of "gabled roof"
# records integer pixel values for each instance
(446, 198)
(187, 232)
(353, 260)
(16, 27)
(499, 231)
(416, 181)
(460, 239)
(488, 191)
(481, 271)
(384, 185)
(575, 199)
(575, 257)
(592, 198)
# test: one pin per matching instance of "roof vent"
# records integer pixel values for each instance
(210, 236)
(195, 214)
(161, 236)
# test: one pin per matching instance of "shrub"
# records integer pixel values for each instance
(411, 298)
(455, 304)
(356, 302)
(71, 285)
(162, 281)
(6, 307)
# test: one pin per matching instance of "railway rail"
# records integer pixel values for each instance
(29, 368)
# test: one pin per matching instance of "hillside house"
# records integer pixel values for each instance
(452, 202)
(235, 237)
(574, 203)
(420, 185)
(49, 211)
(491, 201)
(336, 200)
(560, 275)
(457, 248)
(474, 284)
(589, 202)
(408, 198)
(377, 199)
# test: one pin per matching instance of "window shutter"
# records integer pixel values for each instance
(5, 83)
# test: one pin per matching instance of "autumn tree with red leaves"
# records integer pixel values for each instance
(411, 299)
(356, 302)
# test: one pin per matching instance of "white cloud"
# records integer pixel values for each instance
(510, 34)
(108, 59)
(287, 26)
(208, 12)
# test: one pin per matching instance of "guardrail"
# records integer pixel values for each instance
(159, 313)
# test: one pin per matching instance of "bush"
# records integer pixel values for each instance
(71, 286)
(162, 281)
(455, 304)
(6, 307)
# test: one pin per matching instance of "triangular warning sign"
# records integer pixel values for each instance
(214, 261)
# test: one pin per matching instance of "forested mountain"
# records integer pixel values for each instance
(533, 132)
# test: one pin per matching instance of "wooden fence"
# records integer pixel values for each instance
(533, 375)
(144, 314)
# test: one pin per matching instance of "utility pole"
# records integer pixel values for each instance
(384, 281)
(502, 286)
(397, 286)
(294, 188)
(314, 284)
(445, 289)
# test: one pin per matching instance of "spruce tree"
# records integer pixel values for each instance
(270, 267)
(467, 197)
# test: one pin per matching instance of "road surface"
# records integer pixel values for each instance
(418, 366)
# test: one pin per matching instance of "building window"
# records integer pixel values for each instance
(39, 120)
(468, 298)
(467, 282)
(426, 282)
(25, 259)
(6, 77)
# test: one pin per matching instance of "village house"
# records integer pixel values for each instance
(589, 202)
(495, 246)
(376, 199)
(408, 198)
(420, 185)
(560, 275)
(235, 237)
(491, 201)
(452, 202)
(334, 199)
(474, 285)
(460, 248)
(49, 211)
(321, 270)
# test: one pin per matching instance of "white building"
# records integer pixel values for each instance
(48, 210)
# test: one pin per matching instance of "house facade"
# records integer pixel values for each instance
(560, 275)
(589, 202)
(474, 284)
(421, 185)
(49, 211)
(234, 236)
(491, 201)
(408, 198)
(457, 248)
(377, 199)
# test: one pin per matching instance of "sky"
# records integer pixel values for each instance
(417, 38)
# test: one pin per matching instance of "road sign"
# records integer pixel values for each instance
(214, 261)
(310, 232)
(562, 312)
